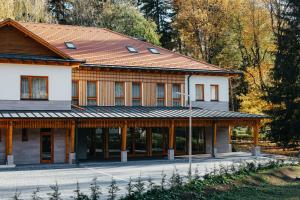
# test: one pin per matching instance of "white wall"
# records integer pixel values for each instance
(222, 81)
(59, 78)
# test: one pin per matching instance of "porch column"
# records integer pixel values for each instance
(255, 148)
(123, 143)
(171, 141)
(67, 145)
(105, 142)
(214, 140)
(72, 155)
(9, 145)
(229, 138)
(149, 141)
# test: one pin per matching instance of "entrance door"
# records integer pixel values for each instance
(46, 147)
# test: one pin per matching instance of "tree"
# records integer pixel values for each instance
(284, 93)
(60, 9)
(95, 190)
(126, 19)
(162, 13)
(113, 189)
(55, 195)
(25, 10)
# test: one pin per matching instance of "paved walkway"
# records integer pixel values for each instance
(26, 178)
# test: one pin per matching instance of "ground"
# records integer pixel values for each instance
(26, 178)
(281, 184)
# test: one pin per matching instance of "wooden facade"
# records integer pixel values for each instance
(106, 85)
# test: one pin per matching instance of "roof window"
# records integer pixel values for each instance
(70, 45)
(154, 50)
(131, 49)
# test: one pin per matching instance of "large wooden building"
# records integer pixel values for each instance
(74, 94)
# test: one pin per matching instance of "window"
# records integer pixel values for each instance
(175, 95)
(70, 45)
(34, 88)
(153, 50)
(75, 93)
(24, 135)
(160, 94)
(136, 94)
(199, 92)
(119, 94)
(132, 49)
(91, 93)
(214, 92)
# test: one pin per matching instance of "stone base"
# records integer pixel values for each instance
(255, 151)
(229, 148)
(10, 160)
(123, 156)
(72, 158)
(171, 154)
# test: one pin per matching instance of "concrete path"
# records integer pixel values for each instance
(26, 178)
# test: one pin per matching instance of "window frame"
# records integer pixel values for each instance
(216, 94)
(161, 99)
(30, 88)
(122, 97)
(91, 98)
(176, 99)
(75, 98)
(202, 90)
(137, 98)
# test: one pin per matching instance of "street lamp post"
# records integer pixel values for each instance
(190, 132)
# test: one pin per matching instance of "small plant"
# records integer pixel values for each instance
(163, 180)
(140, 185)
(55, 195)
(150, 183)
(113, 189)
(175, 180)
(130, 187)
(196, 175)
(17, 195)
(35, 195)
(95, 190)
(79, 195)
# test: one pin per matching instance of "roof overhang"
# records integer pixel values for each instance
(221, 72)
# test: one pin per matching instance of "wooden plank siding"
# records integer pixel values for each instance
(106, 85)
(14, 41)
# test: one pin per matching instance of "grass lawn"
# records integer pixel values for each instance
(272, 184)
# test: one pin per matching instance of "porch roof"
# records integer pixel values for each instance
(125, 112)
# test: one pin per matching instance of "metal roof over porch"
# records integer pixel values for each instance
(110, 112)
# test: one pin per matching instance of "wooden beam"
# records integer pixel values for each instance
(171, 135)
(10, 139)
(256, 134)
(67, 145)
(123, 136)
(72, 138)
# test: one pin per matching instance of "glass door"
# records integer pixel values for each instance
(46, 146)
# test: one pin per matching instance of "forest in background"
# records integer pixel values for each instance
(258, 37)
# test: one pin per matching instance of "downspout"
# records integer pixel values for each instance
(188, 87)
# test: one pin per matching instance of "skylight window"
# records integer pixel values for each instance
(70, 45)
(153, 50)
(132, 49)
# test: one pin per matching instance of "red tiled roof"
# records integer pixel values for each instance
(104, 47)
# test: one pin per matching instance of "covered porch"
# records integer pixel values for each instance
(117, 133)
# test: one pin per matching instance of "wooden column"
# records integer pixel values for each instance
(123, 136)
(67, 145)
(149, 141)
(171, 135)
(72, 138)
(256, 134)
(229, 134)
(214, 140)
(105, 142)
(215, 134)
(9, 139)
